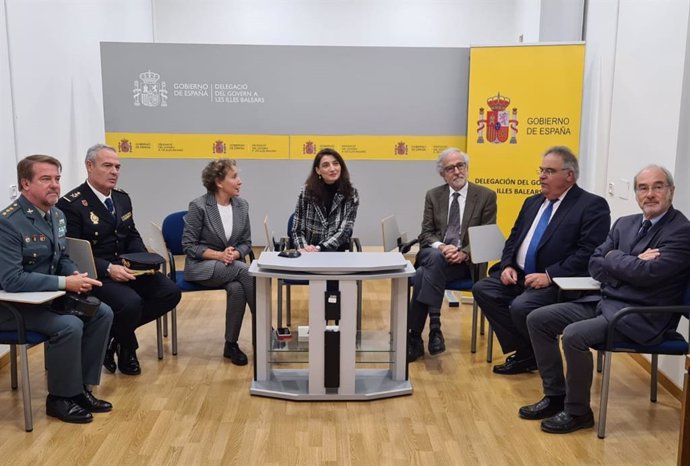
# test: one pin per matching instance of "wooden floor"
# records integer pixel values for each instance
(195, 408)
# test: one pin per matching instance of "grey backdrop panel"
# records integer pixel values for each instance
(307, 90)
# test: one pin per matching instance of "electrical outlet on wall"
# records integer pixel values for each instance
(14, 193)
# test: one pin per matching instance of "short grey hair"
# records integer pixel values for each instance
(669, 176)
(451, 150)
(93, 151)
(569, 160)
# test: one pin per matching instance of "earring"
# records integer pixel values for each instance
(319, 176)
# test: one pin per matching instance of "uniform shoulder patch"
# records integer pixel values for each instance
(120, 190)
(9, 209)
(69, 197)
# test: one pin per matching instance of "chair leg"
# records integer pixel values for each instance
(165, 325)
(280, 303)
(481, 324)
(159, 337)
(173, 330)
(490, 345)
(13, 366)
(475, 311)
(26, 389)
(603, 402)
(655, 374)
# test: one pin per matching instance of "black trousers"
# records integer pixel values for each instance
(136, 303)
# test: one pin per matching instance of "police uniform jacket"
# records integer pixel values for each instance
(32, 251)
(110, 237)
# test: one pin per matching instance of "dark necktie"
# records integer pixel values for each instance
(453, 230)
(49, 220)
(109, 205)
(646, 225)
(531, 256)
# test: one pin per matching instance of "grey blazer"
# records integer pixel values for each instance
(480, 209)
(204, 229)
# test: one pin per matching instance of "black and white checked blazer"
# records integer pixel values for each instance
(312, 226)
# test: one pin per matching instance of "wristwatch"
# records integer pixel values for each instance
(107, 271)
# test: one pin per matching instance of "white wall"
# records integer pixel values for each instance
(56, 79)
(7, 174)
(637, 103)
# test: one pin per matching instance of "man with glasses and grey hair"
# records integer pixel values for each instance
(449, 210)
(644, 261)
(554, 235)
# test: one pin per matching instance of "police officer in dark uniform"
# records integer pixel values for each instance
(33, 258)
(99, 212)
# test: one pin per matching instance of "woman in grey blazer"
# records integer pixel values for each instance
(216, 237)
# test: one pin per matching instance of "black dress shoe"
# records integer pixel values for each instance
(127, 361)
(109, 360)
(233, 352)
(437, 344)
(67, 410)
(564, 423)
(542, 409)
(513, 365)
(92, 404)
(415, 347)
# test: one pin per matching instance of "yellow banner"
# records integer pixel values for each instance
(374, 147)
(522, 100)
(199, 146)
(263, 146)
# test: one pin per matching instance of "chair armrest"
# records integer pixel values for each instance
(682, 310)
(19, 319)
(250, 256)
(405, 247)
(355, 245)
(173, 269)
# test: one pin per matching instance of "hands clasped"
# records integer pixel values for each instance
(453, 255)
(228, 255)
(80, 283)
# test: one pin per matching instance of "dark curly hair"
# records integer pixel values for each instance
(316, 188)
(215, 171)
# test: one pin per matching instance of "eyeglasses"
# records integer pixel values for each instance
(451, 168)
(656, 189)
(550, 171)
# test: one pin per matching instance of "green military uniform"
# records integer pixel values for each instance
(32, 257)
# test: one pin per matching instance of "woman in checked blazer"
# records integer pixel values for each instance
(216, 237)
(327, 206)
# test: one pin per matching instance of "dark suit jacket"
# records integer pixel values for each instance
(203, 229)
(627, 280)
(480, 209)
(580, 224)
(110, 237)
